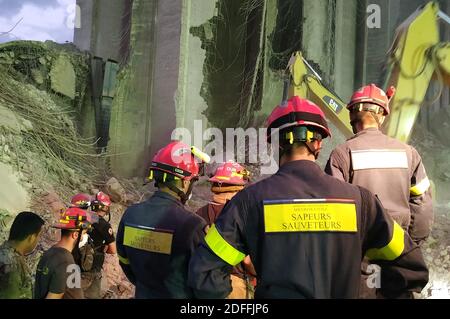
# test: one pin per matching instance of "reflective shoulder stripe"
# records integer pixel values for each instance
(420, 188)
(222, 248)
(123, 260)
(373, 159)
(393, 249)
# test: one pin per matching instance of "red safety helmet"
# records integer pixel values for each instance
(81, 200)
(371, 94)
(101, 202)
(297, 112)
(75, 218)
(179, 160)
(230, 173)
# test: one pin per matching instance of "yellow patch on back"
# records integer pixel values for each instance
(310, 216)
(155, 241)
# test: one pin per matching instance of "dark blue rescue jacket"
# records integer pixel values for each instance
(155, 241)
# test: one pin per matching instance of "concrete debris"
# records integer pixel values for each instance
(115, 190)
(54, 203)
(63, 77)
(12, 121)
(436, 252)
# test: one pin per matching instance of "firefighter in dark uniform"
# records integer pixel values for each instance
(390, 169)
(156, 238)
(306, 232)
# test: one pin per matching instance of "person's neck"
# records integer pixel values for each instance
(101, 214)
(297, 157)
(66, 244)
(18, 246)
(222, 198)
(363, 127)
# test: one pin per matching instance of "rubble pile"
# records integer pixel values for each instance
(436, 249)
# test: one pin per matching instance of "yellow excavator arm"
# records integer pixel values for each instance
(308, 85)
(416, 55)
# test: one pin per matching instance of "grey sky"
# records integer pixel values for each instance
(42, 20)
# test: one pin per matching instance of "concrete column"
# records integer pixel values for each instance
(131, 111)
(318, 43)
(165, 75)
(83, 36)
(273, 80)
(344, 54)
(101, 27)
(160, 88)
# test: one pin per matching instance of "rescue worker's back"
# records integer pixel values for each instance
(305, 231)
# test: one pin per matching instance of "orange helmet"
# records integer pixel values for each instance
(230, 173)
(81, 200)
(298, 112)
(75, 218)
(371, 94)
(179, 160)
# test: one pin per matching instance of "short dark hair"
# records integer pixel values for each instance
(67, 232)
(288, 149)
(24, 225)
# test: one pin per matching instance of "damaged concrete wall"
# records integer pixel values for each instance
(159, 88)
(190, 105)
(223, 37)
(101, 27)
(195, 60)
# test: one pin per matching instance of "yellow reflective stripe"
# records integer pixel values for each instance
(420, 188)
(123, 260)
(223, 249)
(392, 250)
(223, 177)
